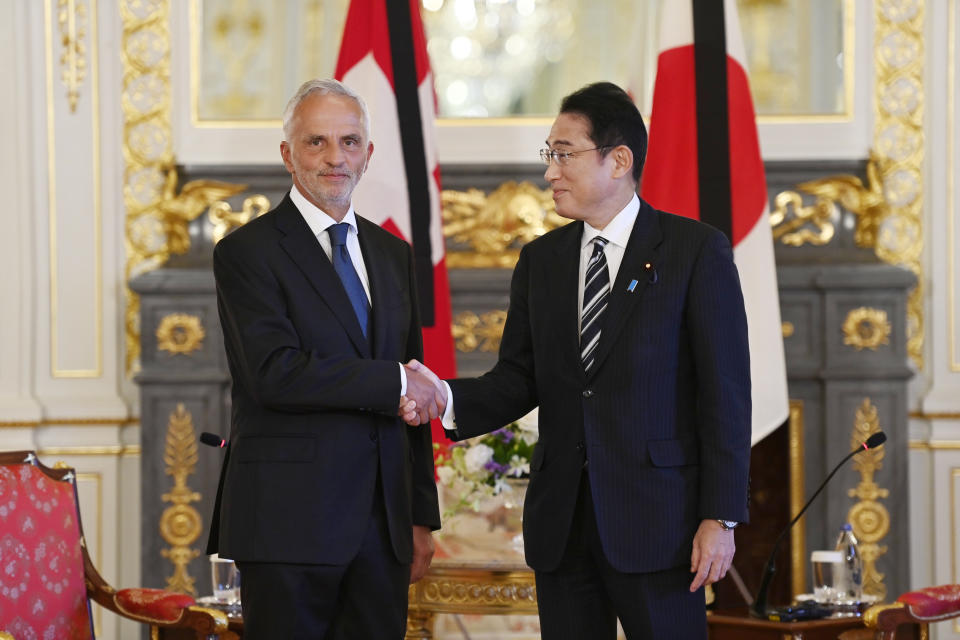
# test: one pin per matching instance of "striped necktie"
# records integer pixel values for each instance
(596, 289)
(343, 265)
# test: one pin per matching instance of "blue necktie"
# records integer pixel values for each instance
(348, 275)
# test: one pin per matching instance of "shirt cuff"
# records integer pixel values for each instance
(448, 419)
(403, 380)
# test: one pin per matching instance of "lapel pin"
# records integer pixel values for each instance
(652, 271)
(632, 286)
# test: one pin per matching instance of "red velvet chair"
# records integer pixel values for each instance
(910, 616)
(46, 577)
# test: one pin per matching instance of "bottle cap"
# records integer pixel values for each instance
(847, 526)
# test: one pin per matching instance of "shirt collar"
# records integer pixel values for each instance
(618, 229)
(315, 217)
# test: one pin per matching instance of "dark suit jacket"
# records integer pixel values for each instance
(314, 402)
(663, 418)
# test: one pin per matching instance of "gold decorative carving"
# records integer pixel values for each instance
(899, 144)
(180, 524)
(463, 589)
(866, 328)
(867, 202)
(180, 333)
(791, 220)
(493, 227)
(787, 328)
(157, 216)
(72, 17)
(869, 518)
(472, 332)
(225, 219)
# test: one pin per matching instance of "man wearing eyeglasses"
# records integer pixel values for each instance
(627, 329)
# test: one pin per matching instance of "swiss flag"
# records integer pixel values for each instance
(383, 57)
(704, 162)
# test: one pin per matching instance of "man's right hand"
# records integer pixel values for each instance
(426, 391)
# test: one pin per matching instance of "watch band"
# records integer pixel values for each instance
(728, 525)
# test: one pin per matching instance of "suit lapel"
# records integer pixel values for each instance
(641, 250)
(383, 285)
(564, 289)
(306, 252)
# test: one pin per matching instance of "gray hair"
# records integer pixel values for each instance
(325, 87)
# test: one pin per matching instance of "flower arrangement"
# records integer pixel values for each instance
(481, 467)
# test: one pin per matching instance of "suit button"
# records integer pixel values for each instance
(373, 436)
(580, 446)
(588, 393)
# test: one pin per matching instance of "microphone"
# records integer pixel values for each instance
(212, 439)
(759, 608)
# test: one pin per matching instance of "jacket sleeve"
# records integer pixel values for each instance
(425, 503)
(508, 391)
(719, 344)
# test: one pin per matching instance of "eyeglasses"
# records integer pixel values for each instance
(562, 157)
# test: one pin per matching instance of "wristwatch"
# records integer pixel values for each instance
(728, 525)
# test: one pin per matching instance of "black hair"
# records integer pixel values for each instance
(614, 119)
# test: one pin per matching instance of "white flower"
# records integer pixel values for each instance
(446, 475)
(530, 421)
(518, 466)
(477, 456)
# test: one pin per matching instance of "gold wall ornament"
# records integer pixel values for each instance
(180, 333)
(899, 144)
(869, 518)
(866, 328)
(472, 332)
(177, 210)
(72, 18)
(866, 201)
(494, 227)
(787, 329)
(791, 220)
(225, 219)
(180, 524)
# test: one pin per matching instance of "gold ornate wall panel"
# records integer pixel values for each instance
(899, 146)
(870, 519)
(181, 523)
(147, 145)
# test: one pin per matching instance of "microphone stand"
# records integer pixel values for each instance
(759, 608)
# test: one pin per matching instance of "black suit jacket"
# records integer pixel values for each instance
(314, 402)
(663, 418)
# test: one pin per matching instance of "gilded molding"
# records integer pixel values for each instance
(795, 224)
(491, 229)
(866, 328)
(474, 590)
(899, 144)
(798, 537)
(180, 524)
(472, 332)
(225, 219)
(869, 518)
(72, 18)
(156, 215)
(180, 333)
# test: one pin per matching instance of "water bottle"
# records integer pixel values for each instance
(850, 583)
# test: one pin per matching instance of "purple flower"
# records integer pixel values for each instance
(496, 468)
(505, 434)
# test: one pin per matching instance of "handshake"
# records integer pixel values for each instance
(426, 396)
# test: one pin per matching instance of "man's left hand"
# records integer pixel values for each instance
(422, 552)
(712, 555)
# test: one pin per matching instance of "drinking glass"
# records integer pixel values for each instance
(827, 574)
(225, 579)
